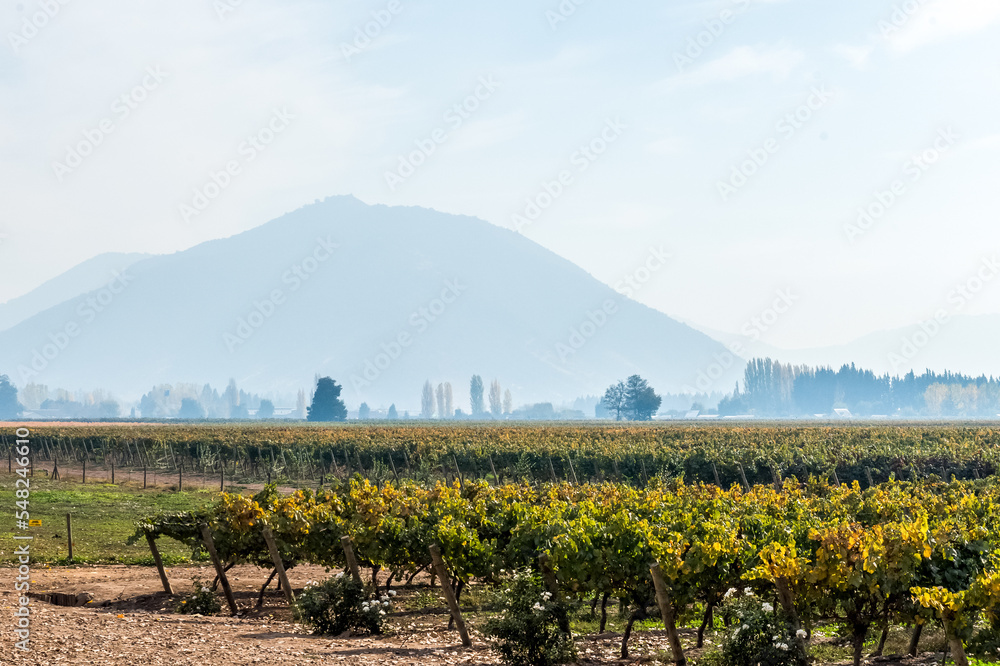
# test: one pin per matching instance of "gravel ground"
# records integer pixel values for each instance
(130, 621)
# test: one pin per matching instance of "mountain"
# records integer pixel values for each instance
(379, 298)
(88, 276)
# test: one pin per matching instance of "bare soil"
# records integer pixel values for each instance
(132, 621)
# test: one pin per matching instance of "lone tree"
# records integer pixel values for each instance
(641, 401)
(392, 415)
(633, 399)
(364, 412)
(326, 404)
(614, 400)
(476, 395)
(10, 408)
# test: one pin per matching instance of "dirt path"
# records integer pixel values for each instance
(131, 621)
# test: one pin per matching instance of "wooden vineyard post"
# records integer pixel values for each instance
(572, 470)
(868, 473)
(449, 594)
(715, 474)
(222, 478)
(645, 477)
(206, 536)
(667, 612)
(549, 576)
(552, 470)
(494, 470)
(159, 563)
(352, 561)
(458, 470)
(743, 478)
(143, 477)
(55, 469)
(112, 472)
(836, 479)
(180, 478)
(278, 565)
(393, 465)
(85, 470)
(69, 535)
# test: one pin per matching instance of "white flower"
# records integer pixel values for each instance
(205, 589)
(385, 603)
(538, 607)
(392, 593)
(801, 633)
(775, 638)
(546, 596)
(381, 612)
(746, 626)
(730, 592)
(747, 591)
(340, 575)
(767, 607)
(783, 646)
(384, 598)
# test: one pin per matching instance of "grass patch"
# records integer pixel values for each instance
(104, 517)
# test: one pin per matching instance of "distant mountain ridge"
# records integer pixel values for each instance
(87, 276)
(380, 298)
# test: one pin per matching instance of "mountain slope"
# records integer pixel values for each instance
(87, 276)
(407, 295)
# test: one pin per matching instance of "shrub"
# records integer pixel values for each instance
(202, 601)
(761, 634)
(341, 604)
(527, 633)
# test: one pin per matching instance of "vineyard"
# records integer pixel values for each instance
(633, 454)
(897, 553)
(870, 528)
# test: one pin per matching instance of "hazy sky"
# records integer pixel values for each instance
(824, 104)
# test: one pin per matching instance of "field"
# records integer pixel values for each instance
(861, 532)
